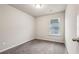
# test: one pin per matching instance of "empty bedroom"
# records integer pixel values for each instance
(37, 29)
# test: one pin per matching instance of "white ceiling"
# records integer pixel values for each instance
(46, 8)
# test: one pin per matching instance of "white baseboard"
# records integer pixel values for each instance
(13, 46)
(51, 40)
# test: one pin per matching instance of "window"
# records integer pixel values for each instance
(54, 26)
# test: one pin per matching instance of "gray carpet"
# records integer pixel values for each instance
(38, 47)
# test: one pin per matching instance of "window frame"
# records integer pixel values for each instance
(50, 27)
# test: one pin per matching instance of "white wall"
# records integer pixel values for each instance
(42, 27)
(16, 27)
(77, 20)
(78, 26)
(71, 28)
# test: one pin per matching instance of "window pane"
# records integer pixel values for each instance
(54, 26)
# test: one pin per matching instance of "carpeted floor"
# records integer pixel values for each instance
(38, 47)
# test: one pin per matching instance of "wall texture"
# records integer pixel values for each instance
(42, 27)
(77, 20)
(78, 27)
(71, 28)
(16, 27)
